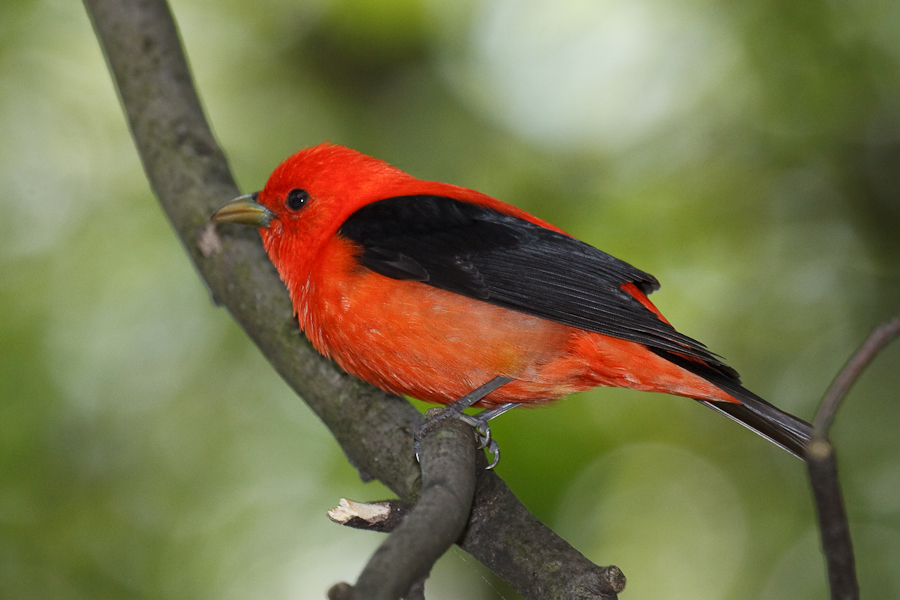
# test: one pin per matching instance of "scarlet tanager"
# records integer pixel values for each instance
(440, 292)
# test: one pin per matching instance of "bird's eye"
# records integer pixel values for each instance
(296, 198)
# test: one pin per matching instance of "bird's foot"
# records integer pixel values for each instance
(478, 422)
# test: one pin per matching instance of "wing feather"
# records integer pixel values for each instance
(487, 255)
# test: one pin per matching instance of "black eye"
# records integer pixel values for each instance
(296, 198)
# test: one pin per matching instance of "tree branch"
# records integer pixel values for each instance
(190, 177)
(821, 463)
(875, 343)
(435, 523)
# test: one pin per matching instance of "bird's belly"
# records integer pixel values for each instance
(414, 339)
(410, 338)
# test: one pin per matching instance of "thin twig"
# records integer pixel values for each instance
(383, 516)
(877, 340)
(821, 462)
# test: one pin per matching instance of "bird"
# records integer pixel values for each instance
(447, 295)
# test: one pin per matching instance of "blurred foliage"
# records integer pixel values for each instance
(747, 154)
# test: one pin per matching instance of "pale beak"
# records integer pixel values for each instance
(244, 210)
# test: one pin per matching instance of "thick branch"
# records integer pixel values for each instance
(190, 177)
(513, 542)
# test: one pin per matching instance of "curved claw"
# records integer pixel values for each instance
(483, 431)
(485, 441)
(493, 449)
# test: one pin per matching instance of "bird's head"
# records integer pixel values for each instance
(308, 197)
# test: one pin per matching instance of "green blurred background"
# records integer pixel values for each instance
(747, 154)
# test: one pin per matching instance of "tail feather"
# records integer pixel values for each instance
(754, 413)
(779, 427)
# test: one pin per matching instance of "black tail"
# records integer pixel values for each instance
(754, 413)
(775, 425)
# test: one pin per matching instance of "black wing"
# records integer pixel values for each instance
(484, 254)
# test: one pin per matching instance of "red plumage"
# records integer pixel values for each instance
(431, 290)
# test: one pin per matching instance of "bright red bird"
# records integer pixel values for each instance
(435, 291)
